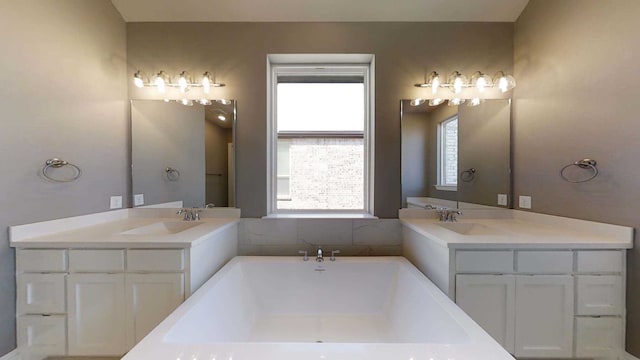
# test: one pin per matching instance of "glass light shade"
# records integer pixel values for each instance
(206, 82)
(417, 102)
(475, 102)
(456, 102)
(457, 81)
(183, 82)
(161, 81)
(185, 102)
(505, 82)
(435, 102)
(481, 81)
(204, 102)
(434, 82)
(137, 79)
(223, 101)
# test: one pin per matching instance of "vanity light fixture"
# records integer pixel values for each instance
(432, 82)
(481, 81)
(161, 81)
(417, 102)
(475, 102)
(505, 82)
(456, 82)
(435, 102)
(456, 102)
(185, 102)
(204, 101)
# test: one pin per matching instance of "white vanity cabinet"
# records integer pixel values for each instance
(535, 301)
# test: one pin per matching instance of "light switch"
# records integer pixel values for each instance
(138, 199)
(524, 202)
(502, 199)
(115, 202)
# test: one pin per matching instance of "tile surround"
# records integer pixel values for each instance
(359, 237)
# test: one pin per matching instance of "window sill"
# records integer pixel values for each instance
(321, 216)
(446, 187)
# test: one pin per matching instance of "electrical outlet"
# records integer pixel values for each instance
(524, 202)
(502, 199)
(138, 199)
(115, 202)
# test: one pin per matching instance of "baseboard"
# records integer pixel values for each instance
(13, 355)
(628, 356)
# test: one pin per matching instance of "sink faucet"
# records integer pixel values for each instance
(449, 215)
(190, 214)
(319, 258)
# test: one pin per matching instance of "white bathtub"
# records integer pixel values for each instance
(284, 308)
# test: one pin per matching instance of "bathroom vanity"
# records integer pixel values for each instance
(542, 286)
(97, 284)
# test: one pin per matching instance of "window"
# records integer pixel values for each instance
(448, 154)
(320, 136)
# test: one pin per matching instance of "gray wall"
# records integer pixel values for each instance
(63, 94)
(168, 134)
(237, 53)
(576, 62)
(216, 140)
(415, 155)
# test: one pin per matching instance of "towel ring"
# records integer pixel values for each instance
(468, 175)
(56, 164)
(587, 164)
(172, 174)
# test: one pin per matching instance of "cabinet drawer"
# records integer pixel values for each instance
(40, 337)
(484, 261)
(599, 295)
(155, 260)
(54, 260)
(600, 261)
(545, 262)
(96, 260)
(41, 293)
(598, 337)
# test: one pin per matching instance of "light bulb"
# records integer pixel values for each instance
(505, 82)
(204, 101)
(160, 82)
(475, 102)
(417, 102)
(183, 82)
(458, 81)
(223, 101)
(206, 82)
(435, 102)
(434, 81)
(222, 118)
(137, 79)
(481, 81)
(455, 102)
(185, 102)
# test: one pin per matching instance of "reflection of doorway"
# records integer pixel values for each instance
(218, 158)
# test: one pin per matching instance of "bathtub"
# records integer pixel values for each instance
(285, 308)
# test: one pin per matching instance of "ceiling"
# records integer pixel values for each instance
(319, 10)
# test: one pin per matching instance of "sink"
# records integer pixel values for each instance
(162, 228)
(466, 228)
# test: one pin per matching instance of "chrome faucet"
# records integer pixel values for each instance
(190, 214)
(449, 215)
(319, 258)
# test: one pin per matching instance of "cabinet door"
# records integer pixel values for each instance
(40, 337)
(544, 316)
(96, 314)
(150, 298)
(41, 293)
(489, 300)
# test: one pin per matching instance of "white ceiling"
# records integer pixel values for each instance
(319, 10)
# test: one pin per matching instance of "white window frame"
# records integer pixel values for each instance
(320, 64)
(442, 184)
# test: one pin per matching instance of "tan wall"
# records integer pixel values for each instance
(237, 53)
(216, 140)
(576, 62)
(63, 94)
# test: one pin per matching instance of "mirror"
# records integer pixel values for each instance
(464, 163)
(183, 153)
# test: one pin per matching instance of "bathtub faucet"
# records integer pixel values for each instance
(319, 258)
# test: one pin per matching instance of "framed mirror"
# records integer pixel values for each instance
(456, 156)
(183, 153)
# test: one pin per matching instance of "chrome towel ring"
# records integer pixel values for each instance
(468, 175)
(56, 164)
(172, 174)
(587, 164)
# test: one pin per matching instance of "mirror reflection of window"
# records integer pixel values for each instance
(448, 152)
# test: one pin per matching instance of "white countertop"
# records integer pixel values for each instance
(525, 231)
(105, 230)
